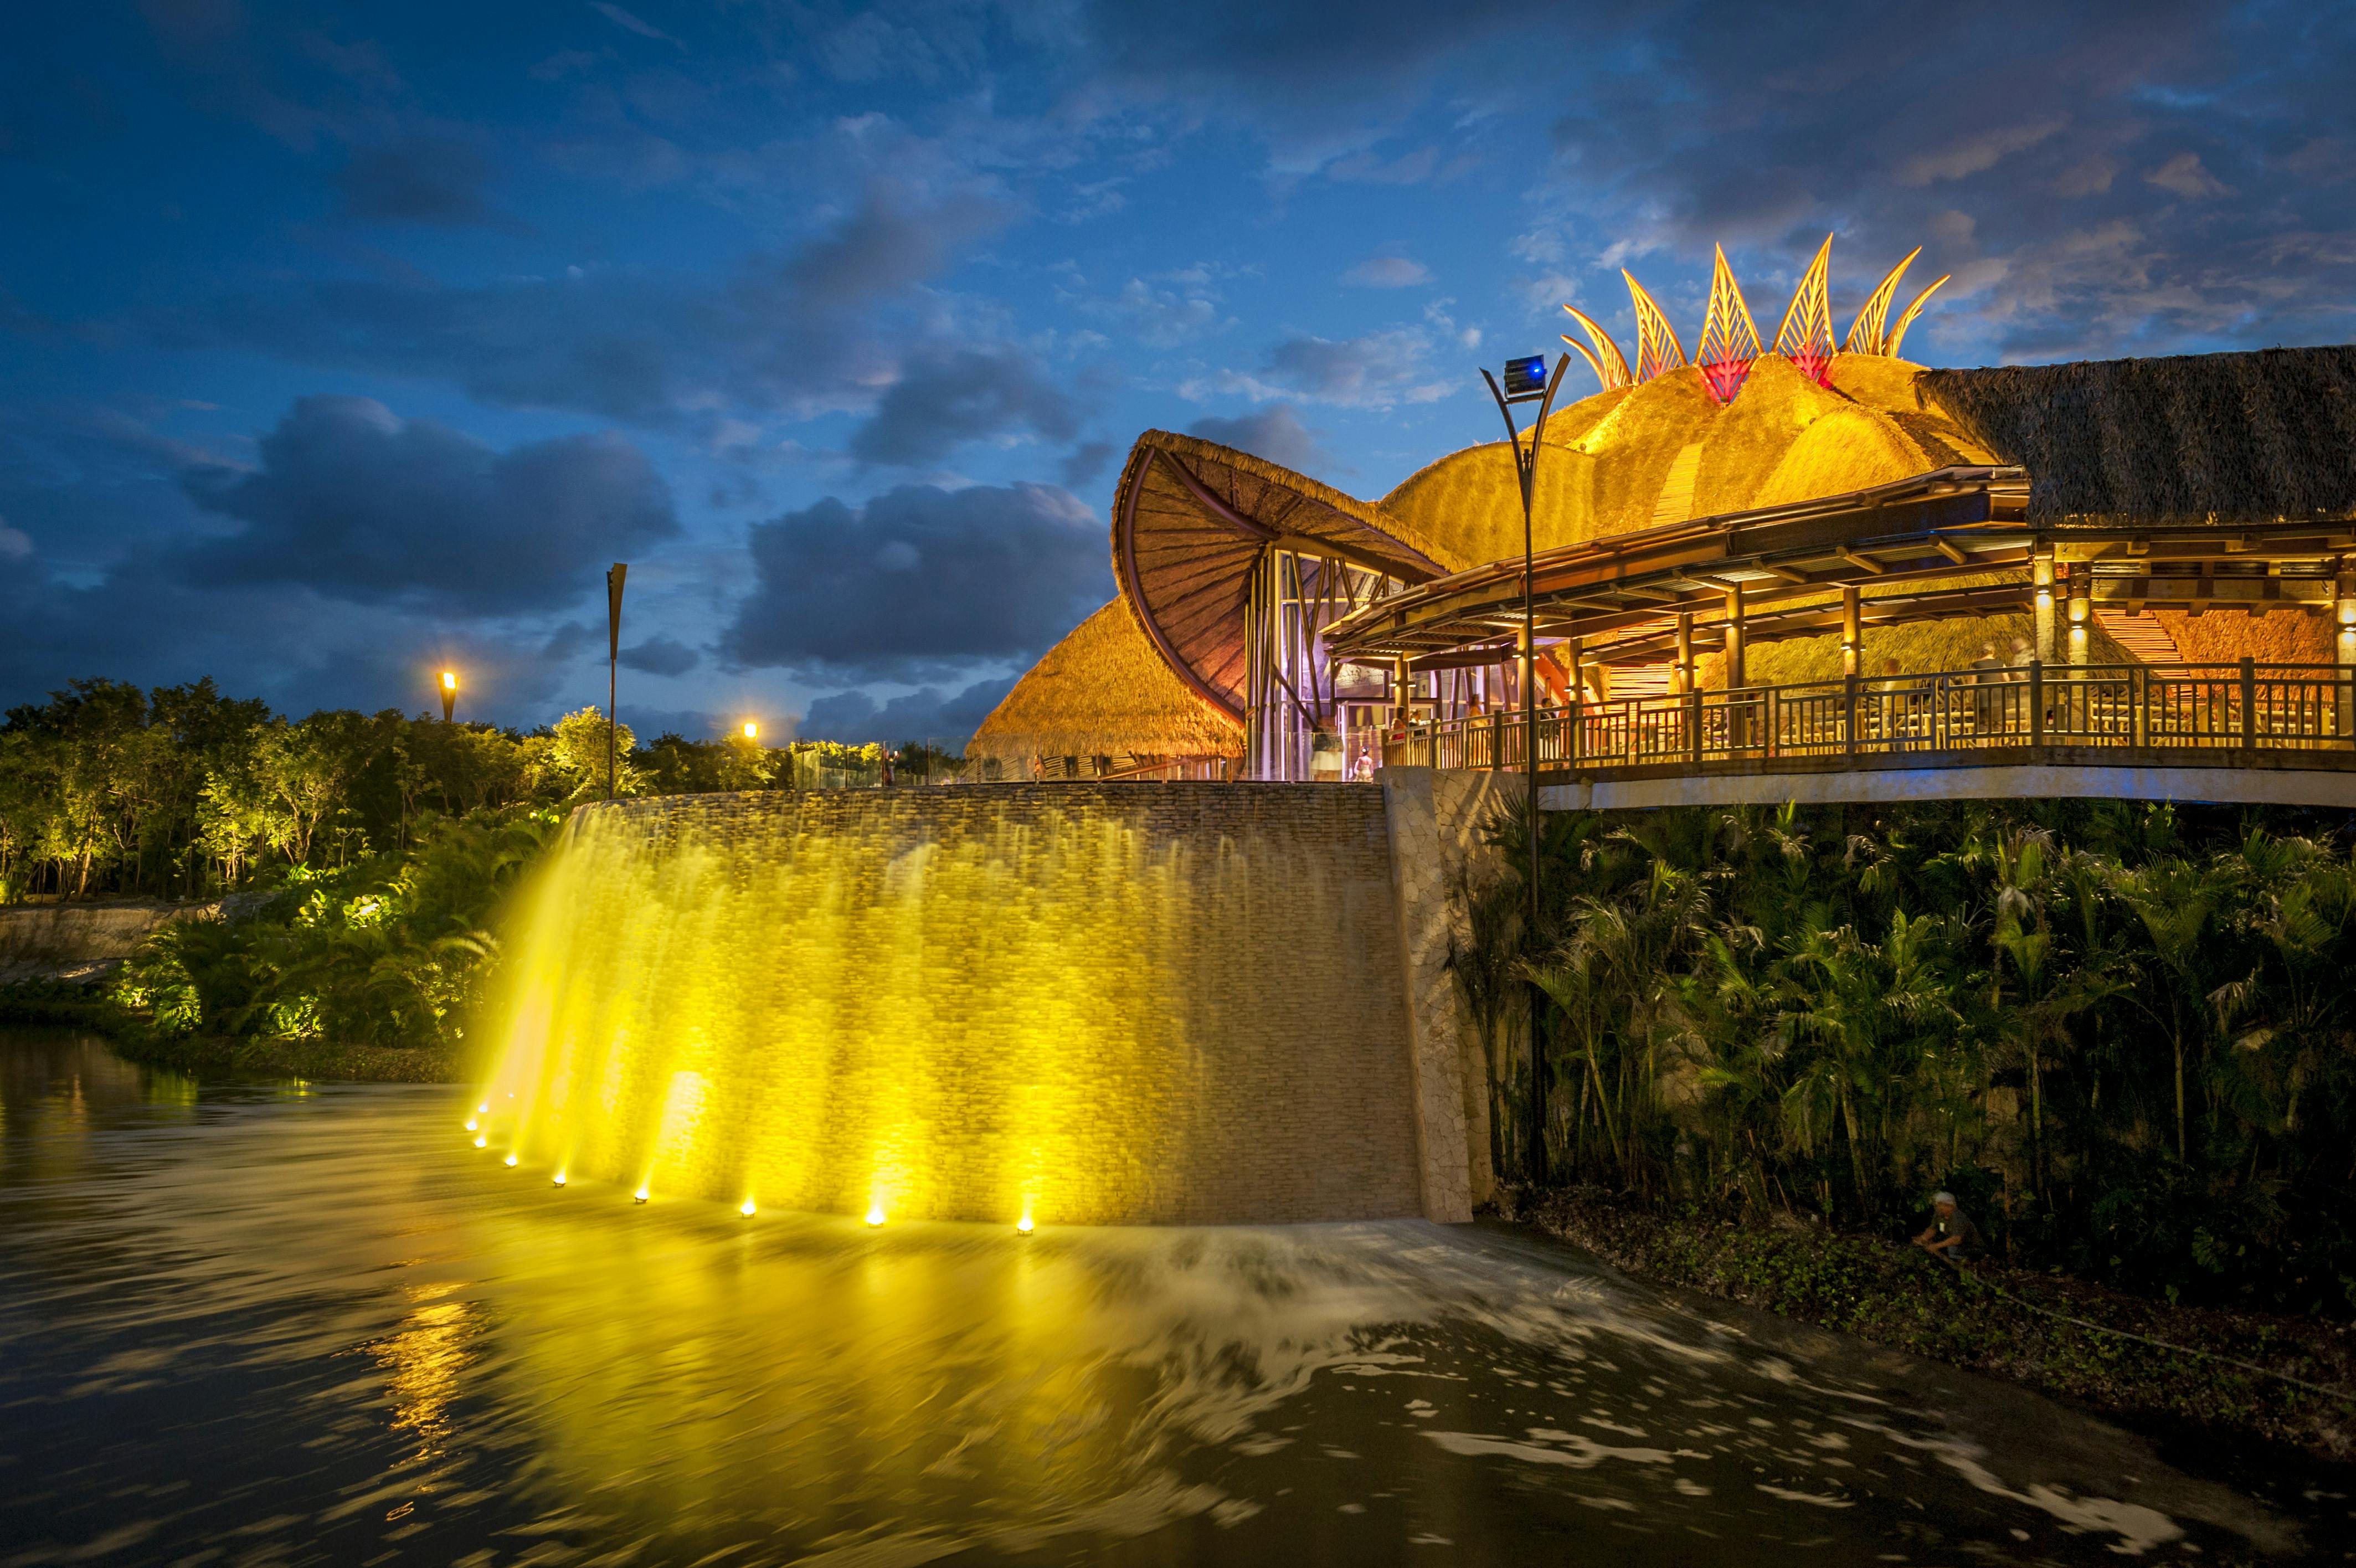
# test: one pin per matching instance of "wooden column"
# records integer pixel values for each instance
(2041, 577)
(1685, 676)
(1852, 632)
(1736, 676)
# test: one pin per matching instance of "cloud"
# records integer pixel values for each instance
(355, 503)
(1388, 271)
(928, 713)
(1971, 154)
(1379, 369)
(1412, 169)
(630, 23)
(803, 333)
(1087, 461)
(15, 544)
(1273, 433)
(939, 405)
(662, 656)
(437, 181)
(2183, 175)
(917, 578)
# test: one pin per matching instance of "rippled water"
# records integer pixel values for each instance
(309, 1324)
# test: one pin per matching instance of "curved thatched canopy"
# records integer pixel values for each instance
(1104, 690)
(1190, 519)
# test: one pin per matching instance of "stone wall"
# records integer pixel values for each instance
(81, 942)
(1436, 817)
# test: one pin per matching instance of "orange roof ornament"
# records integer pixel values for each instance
(1657, 348)
(1898, 333)
(1865, 334)
(1729, 339)
(1806, 336)
(1611, 366)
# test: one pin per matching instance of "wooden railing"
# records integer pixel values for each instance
(2217, 709)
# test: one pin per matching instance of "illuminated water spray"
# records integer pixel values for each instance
(924, 1004)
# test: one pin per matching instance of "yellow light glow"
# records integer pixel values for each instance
(471, 1124)
(449, 679)
(639, 1196)
(747, 1208)
(512, 1160)
(875, 1214)
(751, 730)
(559, 1178)
(482, 1141)
(484, 1109)
(1023, 1226)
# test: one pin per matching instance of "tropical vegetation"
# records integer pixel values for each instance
(361, 857)
(2122, 1033)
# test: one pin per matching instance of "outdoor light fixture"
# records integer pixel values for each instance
(510, 1160)
(639, 1196)
(471, 1123)
(1526, 379)
(482, 1141)
(751, 730)
(875, 1214)
(449, 693)
(745, 1208)
(1022, 1227)
(559, 1178)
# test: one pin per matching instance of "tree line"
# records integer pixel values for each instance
(2123, 1034)
(181, 792)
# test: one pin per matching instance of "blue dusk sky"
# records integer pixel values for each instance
(339, 342)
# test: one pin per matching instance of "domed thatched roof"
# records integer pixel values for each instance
(1665, 451)
(1104, 690)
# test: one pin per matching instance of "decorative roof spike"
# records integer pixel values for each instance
(1610, 365)
(1657, 347)
(1865, 332)
(1592, 362)
(1898, 333)
(1729, 340)
(1806, 336)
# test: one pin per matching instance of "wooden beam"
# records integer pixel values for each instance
(1946, 547)
(1786, 573)
(1862, 563)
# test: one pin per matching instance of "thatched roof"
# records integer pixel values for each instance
(2247, 437)
(1104, 690)
(1190, 519)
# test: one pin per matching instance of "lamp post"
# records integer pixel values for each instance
(613, 576)
(1527, 381)
(751, 730)
(449, 693)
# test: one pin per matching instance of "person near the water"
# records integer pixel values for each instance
(1951, 1233)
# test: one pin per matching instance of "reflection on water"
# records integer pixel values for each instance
(314, 1324)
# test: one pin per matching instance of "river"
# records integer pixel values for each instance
(282, 1323)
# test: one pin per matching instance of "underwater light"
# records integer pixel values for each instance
(875, 1214)
(482, 1141)
(745, 1208)
(511, 1159)
(1023, 1226)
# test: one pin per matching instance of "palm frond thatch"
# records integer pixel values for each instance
(1104, 690)
(2243, 438)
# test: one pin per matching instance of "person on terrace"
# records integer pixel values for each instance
(1951, 1233)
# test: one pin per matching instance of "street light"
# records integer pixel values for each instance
(1527, 380)
(751, 730)
(449, 693)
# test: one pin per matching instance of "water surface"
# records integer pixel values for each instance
(285, 1323)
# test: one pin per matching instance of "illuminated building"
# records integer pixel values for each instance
(1270, 627)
